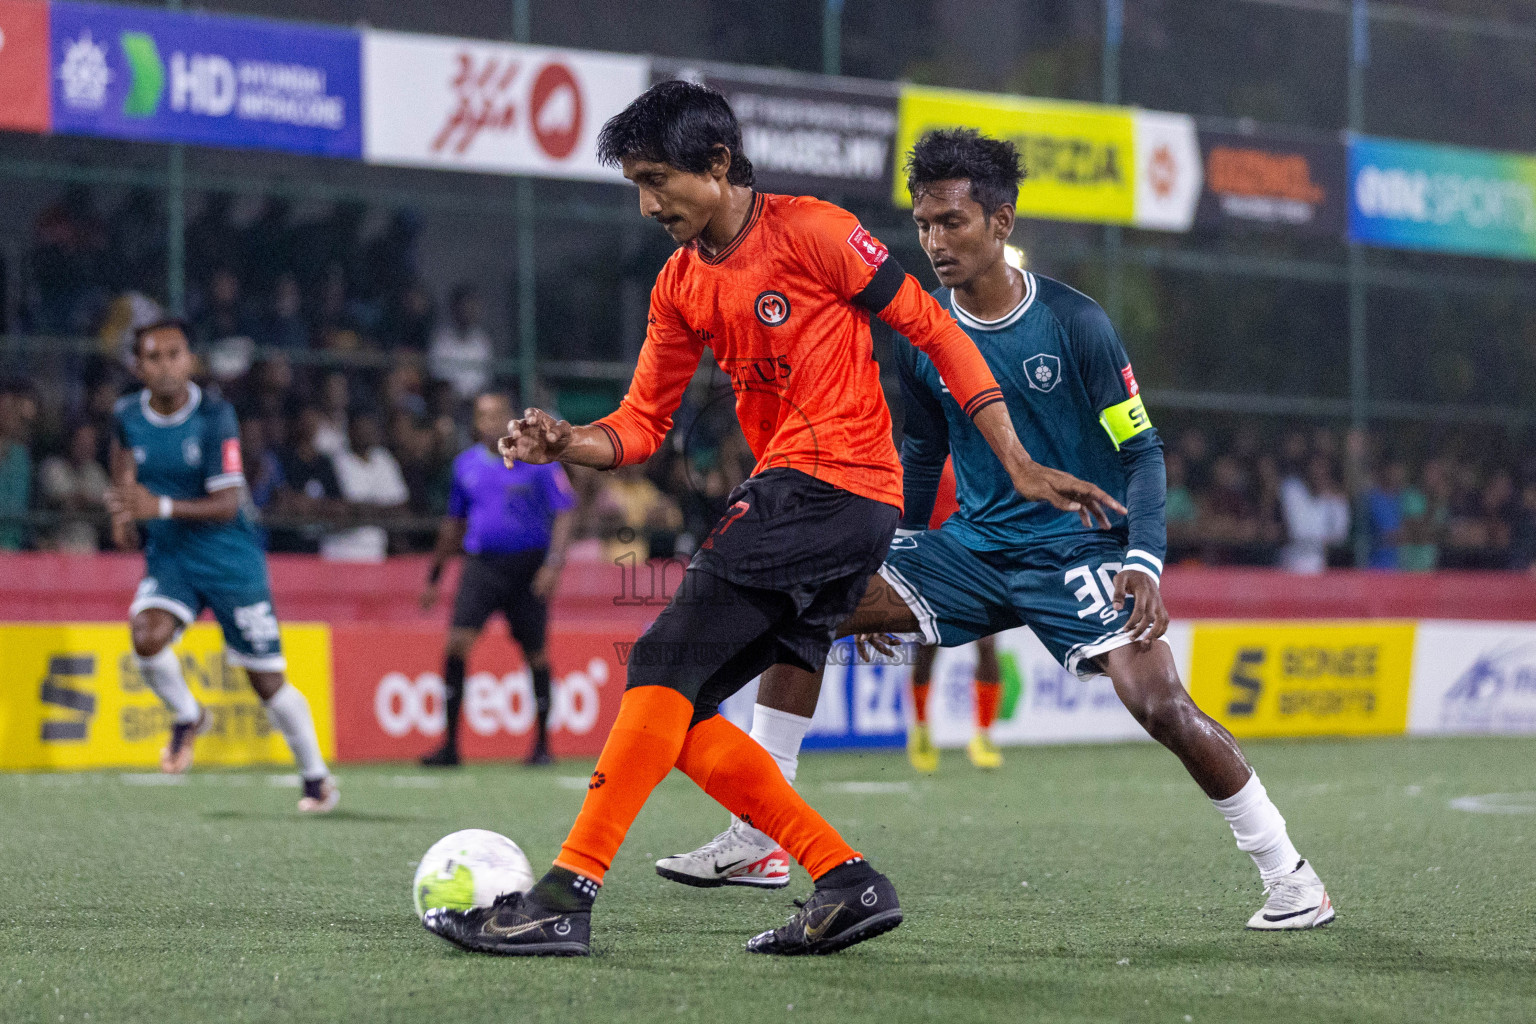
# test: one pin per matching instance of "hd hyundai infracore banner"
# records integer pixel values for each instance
(164, 76)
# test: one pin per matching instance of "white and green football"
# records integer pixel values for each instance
(470, 868)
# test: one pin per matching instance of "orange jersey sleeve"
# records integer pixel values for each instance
(857, 267)
(929, 326)
(666, 364)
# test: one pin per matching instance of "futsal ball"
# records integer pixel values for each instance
(468, 869)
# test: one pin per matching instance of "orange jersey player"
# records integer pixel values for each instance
(781, 289)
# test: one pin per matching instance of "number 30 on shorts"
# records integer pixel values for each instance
(1096, 588)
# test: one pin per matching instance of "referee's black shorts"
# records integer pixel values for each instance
(503, 583)
(784, 567)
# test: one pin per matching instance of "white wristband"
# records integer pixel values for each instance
(165, 507)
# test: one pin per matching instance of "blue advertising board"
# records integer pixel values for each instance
(164, 76)
(1408, 195)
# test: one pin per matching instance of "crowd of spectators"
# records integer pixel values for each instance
(351, 460)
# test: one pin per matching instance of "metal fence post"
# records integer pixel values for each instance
(1359, 383)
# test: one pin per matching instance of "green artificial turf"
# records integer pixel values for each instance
(212, 900)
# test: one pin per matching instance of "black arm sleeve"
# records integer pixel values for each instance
(924, 444)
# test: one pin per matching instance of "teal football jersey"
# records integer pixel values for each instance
(191, 453)
(1075, 405)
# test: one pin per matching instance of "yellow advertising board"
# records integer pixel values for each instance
(71, 697)
(1079, 157)
(1304, 678)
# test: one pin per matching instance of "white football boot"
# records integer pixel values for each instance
(737, 856)
(1296, 900)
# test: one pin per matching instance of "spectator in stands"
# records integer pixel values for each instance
(1181, 510)
(403, 390)
(263, 468)
(461, 348)
(136, 244)
(267, 246)
(17, 410)
(338, 327)
(331, 425)
(638, 517)
(1522, 541)
(370, 481)
(68, 263)
(283, 325)
(309, 490)
(427, 472)
(74, 485)
(224, 315)
(391, 261)
(1423, 520)
(1316, 517)
(1228, 513)
(212, 241)
(267, 391)
(408, 319)
(1384, 514)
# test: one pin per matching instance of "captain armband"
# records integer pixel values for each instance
(1124, 421)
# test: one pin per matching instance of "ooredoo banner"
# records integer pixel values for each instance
(473, 105)
(23, 66)
(74, 698)
(806, 134)
(1411, 196)
(168, 76)
(1265, 181)
(389, 692)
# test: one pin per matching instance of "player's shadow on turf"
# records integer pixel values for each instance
(337, 815)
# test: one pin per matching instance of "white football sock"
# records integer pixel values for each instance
(780, 733)
(1259, 829)
(162, 674)
(289, 712)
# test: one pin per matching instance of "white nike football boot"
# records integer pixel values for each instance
(1297, 900)
(737, 856)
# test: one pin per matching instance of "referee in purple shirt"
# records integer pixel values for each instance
(514, 526)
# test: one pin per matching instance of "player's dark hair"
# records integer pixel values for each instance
(992, 166)
(140, 333)
(677, 123)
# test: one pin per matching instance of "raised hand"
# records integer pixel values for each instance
(537, 437)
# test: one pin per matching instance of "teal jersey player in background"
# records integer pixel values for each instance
(176, 473)
(1089, 592)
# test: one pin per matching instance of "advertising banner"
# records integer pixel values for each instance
(472, 105)
(1407, 195)
(807, 134)
(1079, 156)
(23, 66)
(1303, 678)
(162, 76)
(1265, 181)
(75, 698)
(1083, 161)
(389, 692)
(1474, 677)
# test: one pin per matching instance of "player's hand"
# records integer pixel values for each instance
(1149, 617)
(132, 503)
(545, 581)
(538, 437)
(868, 644)
(124, 536)
(428, 597)
(1066, 492)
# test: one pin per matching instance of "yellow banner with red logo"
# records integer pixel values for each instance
(74, 698)
(1304, 678)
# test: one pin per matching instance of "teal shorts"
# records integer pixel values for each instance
(1063, 590)
(242, 604)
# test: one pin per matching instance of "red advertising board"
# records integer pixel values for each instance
(389, 691)
(23, 66)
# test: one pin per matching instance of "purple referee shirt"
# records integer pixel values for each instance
(507, 510)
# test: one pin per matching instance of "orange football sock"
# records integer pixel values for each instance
(920, 702)
(641, 748)
(988, 696)
(731, 767)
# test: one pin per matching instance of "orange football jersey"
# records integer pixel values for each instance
(785, 309)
